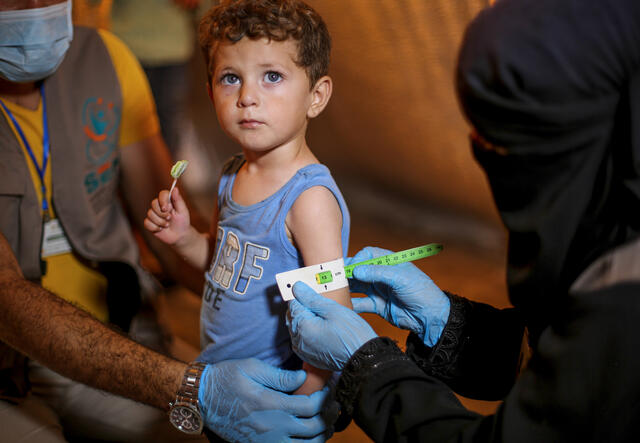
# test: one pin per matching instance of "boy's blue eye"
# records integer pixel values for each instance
(272, 77)
(230, 79)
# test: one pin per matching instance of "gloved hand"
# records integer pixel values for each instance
(401, 294)
(247, 400)
(323, 332)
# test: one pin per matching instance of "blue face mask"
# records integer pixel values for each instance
(33, 42)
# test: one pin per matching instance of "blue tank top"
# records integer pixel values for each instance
(242, 313)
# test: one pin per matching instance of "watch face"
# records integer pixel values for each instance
(185, 418)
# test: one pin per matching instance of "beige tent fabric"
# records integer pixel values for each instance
(393, 121)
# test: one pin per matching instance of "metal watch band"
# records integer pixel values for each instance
(188, 391)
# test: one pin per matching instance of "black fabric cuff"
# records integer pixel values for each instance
(478, 353)
(373, 354)
(440, 361)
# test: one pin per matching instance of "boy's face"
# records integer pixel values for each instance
(262, 98)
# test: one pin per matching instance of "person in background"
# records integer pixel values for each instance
(161, 34)
(92, 13)
(244, 400)
(552, 89)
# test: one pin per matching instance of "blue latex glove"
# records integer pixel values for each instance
(401, 294)
(323, 332)
(247, 400)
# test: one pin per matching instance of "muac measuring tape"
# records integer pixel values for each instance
(333, 275)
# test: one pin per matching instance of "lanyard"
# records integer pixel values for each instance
(45, 147)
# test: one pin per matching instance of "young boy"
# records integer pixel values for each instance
(278, 208)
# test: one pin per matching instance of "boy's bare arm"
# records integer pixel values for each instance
(70, 341)
(145, 167)
(315, 222)
(198, 248)
(195, 249)
(169, 220)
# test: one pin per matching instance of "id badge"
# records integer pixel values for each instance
(54, 242)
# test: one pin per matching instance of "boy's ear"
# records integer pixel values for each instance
(320, 95)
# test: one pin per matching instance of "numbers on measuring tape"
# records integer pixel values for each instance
(398, 257)
(324, 277)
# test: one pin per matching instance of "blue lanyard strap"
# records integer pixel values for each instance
(45, 146)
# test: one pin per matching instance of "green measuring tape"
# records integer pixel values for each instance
(390, 259)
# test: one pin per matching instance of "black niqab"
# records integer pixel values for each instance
(558, 118)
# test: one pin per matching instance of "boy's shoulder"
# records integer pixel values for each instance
(314, 170)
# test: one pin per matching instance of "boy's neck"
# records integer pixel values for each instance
(280, 159)
(266, 172)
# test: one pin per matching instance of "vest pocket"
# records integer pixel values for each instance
(11, 193)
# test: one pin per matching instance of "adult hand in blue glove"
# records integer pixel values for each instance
(248, 400)
(401, 294)
(323, 332)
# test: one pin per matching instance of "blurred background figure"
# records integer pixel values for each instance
(161, 35)
(92, 13)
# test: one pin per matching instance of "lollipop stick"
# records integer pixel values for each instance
(176, 171)
(173, 185)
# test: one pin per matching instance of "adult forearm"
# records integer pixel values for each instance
(71, 342)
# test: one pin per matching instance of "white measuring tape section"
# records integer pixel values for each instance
(286, 280)
(333, 275)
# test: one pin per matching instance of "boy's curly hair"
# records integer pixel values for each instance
(277, 20)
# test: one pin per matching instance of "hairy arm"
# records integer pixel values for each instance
(73, 343)
(315, 223)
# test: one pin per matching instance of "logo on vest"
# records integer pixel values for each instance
(100, 123)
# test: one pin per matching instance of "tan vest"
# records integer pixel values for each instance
(84, 106)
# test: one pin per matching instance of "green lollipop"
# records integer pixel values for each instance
(176, 171)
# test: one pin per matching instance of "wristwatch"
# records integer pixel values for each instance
(184, 412)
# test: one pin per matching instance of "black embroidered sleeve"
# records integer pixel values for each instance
(441, 360)
(372, 355)
(478, 354)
